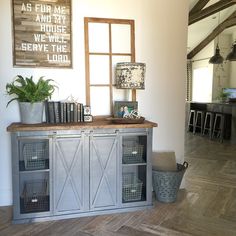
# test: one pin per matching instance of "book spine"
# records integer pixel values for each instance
(51, 112)
(78, 112)
(46, 112)
(61, 112)
(75, 112)
(56, 112)
(64, 113)
(81, 112)
(68, 112)
(71, 112)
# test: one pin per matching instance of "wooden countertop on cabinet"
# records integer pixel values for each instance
(100, 123)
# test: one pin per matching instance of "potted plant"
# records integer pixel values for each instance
(31, 96)
(223, 96)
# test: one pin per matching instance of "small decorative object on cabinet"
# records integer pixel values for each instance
(87, 110)
(81, 170)
(126, 120)
(87, 114)
(123, 108)
(31, 96)
(126, 112)
(88, 118)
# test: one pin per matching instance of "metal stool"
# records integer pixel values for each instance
(219, 126)
(199, 121)
(191, 120)
(208, 123)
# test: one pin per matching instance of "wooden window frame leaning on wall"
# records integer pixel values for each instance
(110, 54)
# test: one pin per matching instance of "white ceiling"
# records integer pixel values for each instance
(201, 29)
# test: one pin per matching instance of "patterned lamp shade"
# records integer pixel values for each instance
(130, 75)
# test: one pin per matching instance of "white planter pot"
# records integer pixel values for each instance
(31, 113)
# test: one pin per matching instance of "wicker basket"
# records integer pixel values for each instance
(166, 183)
(131, 187)
(35, 155)
(132, 154)
(35, 197)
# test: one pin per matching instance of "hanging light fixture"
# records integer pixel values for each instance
(232, 55)
(217, 58)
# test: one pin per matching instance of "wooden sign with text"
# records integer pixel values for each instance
(42, 33)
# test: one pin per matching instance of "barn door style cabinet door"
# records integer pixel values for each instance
(104, 172)
(64, 173)
(85, 172)
(69, 174)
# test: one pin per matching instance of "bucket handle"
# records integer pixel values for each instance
(185, 165)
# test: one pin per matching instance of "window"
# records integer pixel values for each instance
(107, 42)
(202, 85)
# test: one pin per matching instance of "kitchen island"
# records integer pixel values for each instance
(228, 109)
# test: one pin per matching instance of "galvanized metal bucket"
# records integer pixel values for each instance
(166, 183)
(31, 113)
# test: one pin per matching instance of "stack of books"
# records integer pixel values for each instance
(64, 112)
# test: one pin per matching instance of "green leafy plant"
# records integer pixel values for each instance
(26, 90)
(223, 96)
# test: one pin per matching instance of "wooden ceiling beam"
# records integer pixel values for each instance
(214, 8)
(229, 22)
(198, 6)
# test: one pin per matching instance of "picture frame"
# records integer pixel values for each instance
(124, 107)
(42, 33)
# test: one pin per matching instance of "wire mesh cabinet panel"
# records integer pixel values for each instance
(136, 171)
(31, 163)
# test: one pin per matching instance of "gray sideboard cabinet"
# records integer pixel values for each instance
(73, 170)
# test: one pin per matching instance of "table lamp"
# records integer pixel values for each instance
(130, 75)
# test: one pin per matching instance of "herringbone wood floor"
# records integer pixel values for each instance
(206, 207)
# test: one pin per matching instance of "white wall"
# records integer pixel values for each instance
(161, 39)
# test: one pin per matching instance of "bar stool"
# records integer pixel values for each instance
(219, 126)
(191, 120)
(208, 123)
(199, 121)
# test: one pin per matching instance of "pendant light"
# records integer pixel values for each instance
(217, 58)
(232, 55)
